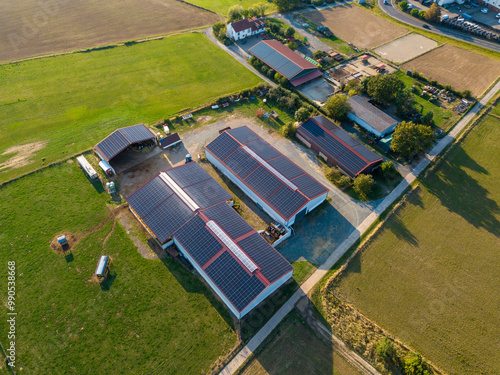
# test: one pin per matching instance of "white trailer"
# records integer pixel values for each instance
(89, 170)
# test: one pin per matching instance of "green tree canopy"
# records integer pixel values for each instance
(235, 13)
(289, 32)
(258, 10)
(302, 114)
(385, 350)
(337, 107)
(384, 88)
(363, 184)
(285, 5)
(410, 138)
(433, 14)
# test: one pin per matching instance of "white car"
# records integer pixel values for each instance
(498, 15)
(484, 10)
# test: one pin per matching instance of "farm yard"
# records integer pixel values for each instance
(462, 69)
(30, 27)
(427, 274)
(367, 31)
(148, 316)
(406, 48)
(70, 102)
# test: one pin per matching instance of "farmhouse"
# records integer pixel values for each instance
(185, 206)
(245, 28)
(286, 62)
(271, 180)
(337, 147)
(121, 139)
(370, 117)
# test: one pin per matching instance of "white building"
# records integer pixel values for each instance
(370, 117)
(493, 5)
(244, 28)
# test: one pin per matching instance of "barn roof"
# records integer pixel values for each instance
(366, 111)
(120, 139)
(273, 177)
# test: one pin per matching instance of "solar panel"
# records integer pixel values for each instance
(286, 167)
(193, 206)
(270, 168)
(366, 153)
(352, 162)
(263, 182)
(312, 128)
(263, 149)
(112, 145)
(276, 60)
(230, 277)
(309, 186)
(149, 196)
(231, 245)
(198, 241)
(273, 265)
(243, 134)
(136, 133)
(241, 163)
(223, 146)
(228, 219)
(188, 174)
(287, 201)
(207, 193)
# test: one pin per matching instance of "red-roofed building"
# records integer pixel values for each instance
(245, 28)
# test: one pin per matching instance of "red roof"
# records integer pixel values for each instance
(289, 54)
(306, 78)
(246, 24)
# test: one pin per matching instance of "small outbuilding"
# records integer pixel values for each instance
(371, 118)
(102, 266)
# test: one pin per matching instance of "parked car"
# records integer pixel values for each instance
(243, 41)
(484, 10)
(425, 26)
(385, 2)
(498, 15)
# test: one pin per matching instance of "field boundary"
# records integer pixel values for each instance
(439, 44)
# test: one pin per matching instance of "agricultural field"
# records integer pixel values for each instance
(31, 27)
(428, 274)
(367, 31)
(221, 6)
(406, 48)
(56, 107)
(462, 69)
(293, 348)
(149, 316)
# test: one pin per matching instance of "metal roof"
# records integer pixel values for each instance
(350, 154)
(274, 178)
(120, 139)
(376, 118)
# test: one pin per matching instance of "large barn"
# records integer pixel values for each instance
(371, 118)
(185, 206)
(282, 189)
(286, 62)
(337, 147)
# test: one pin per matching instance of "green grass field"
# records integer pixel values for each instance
(430, 275)
(149, 316)
(221, 6)
(73, 101)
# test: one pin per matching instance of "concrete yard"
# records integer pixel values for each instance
(406, 48)
(318, 90)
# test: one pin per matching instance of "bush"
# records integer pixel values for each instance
(465, 94)
(288, 130)
(344, 182)
(292, 45)
(271, 73)
(363, 184)
(302, 114)
(427, 119)
(337, 107)
(414, 12)
(385, 350)
(415, 365)
(235, 13)
(404, 6)
(388, 169)
(333, 174)
(264, 69)
(421, 14)
(289, 32)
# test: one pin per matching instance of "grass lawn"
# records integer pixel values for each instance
(149, 316)
(444, 118)
(73, 101)
(430, 275)
(222, 6)
(293, 348)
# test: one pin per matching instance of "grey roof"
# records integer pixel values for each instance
(120, 139)
(376, 118)
(276, 60)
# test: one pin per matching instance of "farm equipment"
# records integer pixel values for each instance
(188, 158)
(275, 229)
(62, 241)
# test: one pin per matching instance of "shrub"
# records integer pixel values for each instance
(385, 350)
(427, 119)
(288, 130)
(337, 107)
(235, 13)
(363, 184)
(270, 73)
(344, 182)
(289, 32)
(414, 12)
(302, 114)
(292, 45)
(388, 169)
(415, 365)
(264, 69)
(421, 14)
(465, 94)
(404, 6)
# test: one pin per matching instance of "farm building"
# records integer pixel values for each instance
(493, 5)
(245, 28)
(286, 62)
(185, 206)
(337, 147)
(121, 139)
(369, 117)
(271, 180)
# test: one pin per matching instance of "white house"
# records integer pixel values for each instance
(245, 28)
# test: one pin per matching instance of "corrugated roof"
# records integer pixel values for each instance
(265, 171)
(306, 78)
(120, 139)
(376, 118)
(350, 154)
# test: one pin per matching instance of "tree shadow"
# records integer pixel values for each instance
(401, 231)
(108, 281)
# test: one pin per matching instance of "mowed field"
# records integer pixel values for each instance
(462, 69)
(148, 317)
(70, 102)
(357, 26)
(222, 6)
(31, 27)
(293, 348)
(430, 275)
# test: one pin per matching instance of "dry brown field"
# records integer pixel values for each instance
(462, 69)
(357, 26)
(39, 27)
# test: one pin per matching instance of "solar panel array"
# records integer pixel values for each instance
(265, 170)
(120, 139)
(351, 155)
(234, 281)
(228, 219)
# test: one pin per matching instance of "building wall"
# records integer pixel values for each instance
(237, 35)
(369, 128)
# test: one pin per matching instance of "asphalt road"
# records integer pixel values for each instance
(396, 13)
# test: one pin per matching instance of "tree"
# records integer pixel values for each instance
(415, 365)
(289, 32)
(363, 184)
(410, 138)
(337, 107)
(404, 6)
(385, 350)
(384, 88)
(302, 114)
(288, 130)
(292, 45)
(285, 5)
(421, 14)
(235, 13)
(404, 102)
(414, 12)
(388, 169)
(433, 14)
(427, 119)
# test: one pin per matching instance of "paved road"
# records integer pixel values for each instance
(305, 288)
(392, 10)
